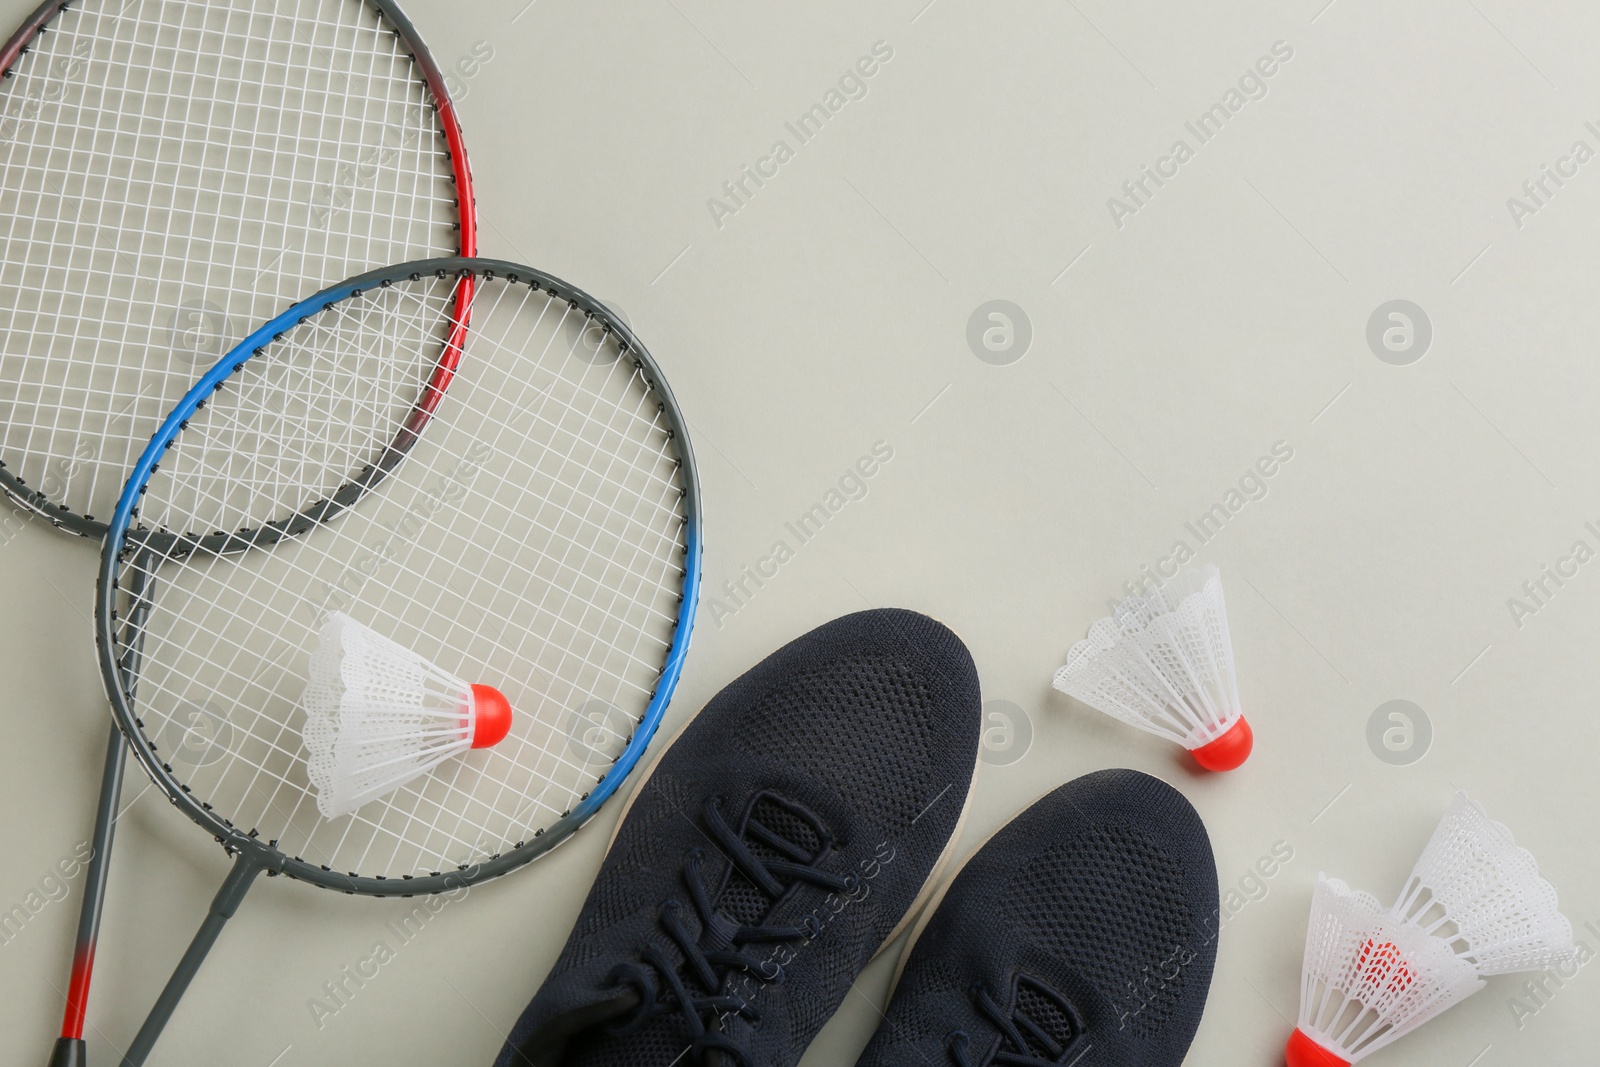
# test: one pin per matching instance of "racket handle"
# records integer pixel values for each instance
(223, 906)
(69, 1052)
(94, 898)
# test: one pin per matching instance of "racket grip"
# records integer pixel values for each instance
(69, 1052)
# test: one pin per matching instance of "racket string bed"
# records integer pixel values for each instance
(174, 171)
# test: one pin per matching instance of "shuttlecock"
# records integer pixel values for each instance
(1474, 906)
(1164, 662)
(1476, 889)
(1368, 980)
(378, 716)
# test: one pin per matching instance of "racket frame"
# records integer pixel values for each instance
(34, 499)
(121, 535)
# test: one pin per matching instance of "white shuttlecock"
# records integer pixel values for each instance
(1474, 906)
(378, 716)
(1368, 979)
(1164, 663)
(1474, 888)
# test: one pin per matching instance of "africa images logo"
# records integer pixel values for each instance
(852, 85)
(1140, 190)
(851, 486)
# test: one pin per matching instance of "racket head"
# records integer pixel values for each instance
(610, 560)
(90, 363)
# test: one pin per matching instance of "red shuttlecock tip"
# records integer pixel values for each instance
(491, 716)
(1304, 1052)
(1228, 751)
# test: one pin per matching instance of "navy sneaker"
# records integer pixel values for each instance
(780, 841)
(1081, 935)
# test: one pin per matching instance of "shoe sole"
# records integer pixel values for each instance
(929, 885)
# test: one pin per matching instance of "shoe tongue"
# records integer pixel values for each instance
(1047, 1026)
(772, 829)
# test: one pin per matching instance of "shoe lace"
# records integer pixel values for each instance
(696, 988)
(1024, 1040)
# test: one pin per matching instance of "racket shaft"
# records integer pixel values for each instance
(105, 827)
(223, 906)
(94, 886)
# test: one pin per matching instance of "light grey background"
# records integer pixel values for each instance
(1230, 312)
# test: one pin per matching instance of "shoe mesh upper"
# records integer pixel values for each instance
(1102, 894)
(870, 757)
(1046, 1015)
(1111, 902)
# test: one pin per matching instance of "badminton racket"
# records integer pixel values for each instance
(170, 174)
(541, 538)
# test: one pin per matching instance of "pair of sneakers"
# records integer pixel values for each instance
(802, 821)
